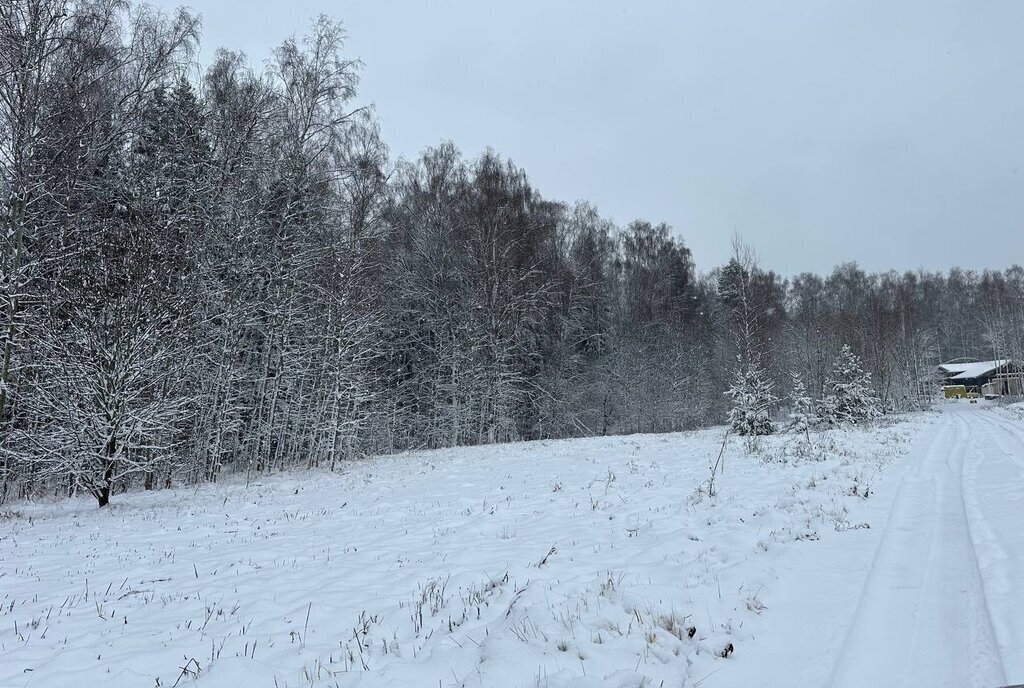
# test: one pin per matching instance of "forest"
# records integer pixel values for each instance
(218, 269)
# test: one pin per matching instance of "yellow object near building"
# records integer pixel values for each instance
(955, 391)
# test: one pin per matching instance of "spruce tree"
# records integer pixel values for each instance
(752, 400)
(849, 395)
(802, 415)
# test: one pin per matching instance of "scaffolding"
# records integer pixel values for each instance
(1004, 384)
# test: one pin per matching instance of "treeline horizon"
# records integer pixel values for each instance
(229, 273)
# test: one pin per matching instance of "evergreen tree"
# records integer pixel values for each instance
(752, 400)
(849, 396)
(802, 415)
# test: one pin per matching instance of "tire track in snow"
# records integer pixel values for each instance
(923, 617)
(993, 484)
(985, 629)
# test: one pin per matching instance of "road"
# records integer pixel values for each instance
(943, 600)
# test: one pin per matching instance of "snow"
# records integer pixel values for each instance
(573, 563)
(936, 545)
(969, 371)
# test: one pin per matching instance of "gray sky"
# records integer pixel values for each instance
(889, 133)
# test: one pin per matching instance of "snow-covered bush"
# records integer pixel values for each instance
(752, 401)
(802, 415)
(849, 396)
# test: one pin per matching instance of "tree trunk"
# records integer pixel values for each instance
(103, 492)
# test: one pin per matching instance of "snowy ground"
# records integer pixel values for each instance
(943, 603)
(597, 562)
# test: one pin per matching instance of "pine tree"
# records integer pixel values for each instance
(752, 400)
(802, 415)
(849, 397)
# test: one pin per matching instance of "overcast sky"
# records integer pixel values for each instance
(887, 133)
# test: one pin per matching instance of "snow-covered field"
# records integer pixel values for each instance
(599, 562)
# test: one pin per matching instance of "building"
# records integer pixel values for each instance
(963, 377)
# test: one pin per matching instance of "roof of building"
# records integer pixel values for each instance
(972, 370)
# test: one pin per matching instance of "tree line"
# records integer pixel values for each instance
(222, 270)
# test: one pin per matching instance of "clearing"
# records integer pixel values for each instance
(886, 556)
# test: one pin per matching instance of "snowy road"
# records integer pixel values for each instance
(942, 602)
